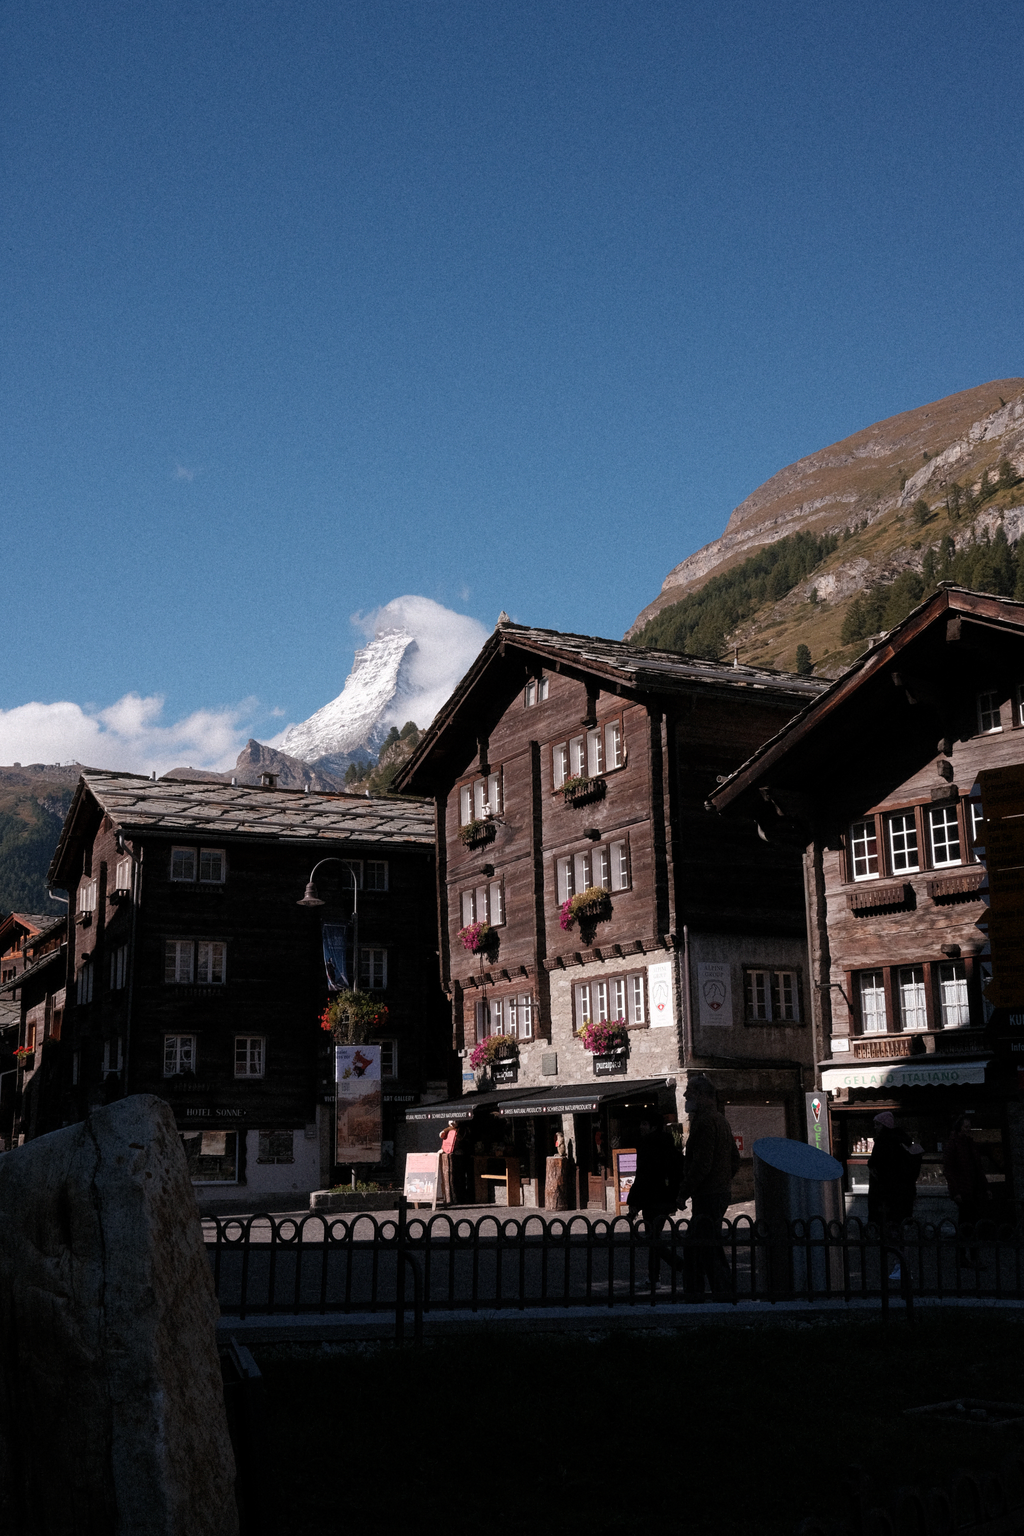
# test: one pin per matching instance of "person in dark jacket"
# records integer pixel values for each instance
(893, 1167)
(653, 1192)
(710, 1162)
(965, 1180)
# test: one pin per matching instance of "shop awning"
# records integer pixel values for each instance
(465, 1107)
(901, 1074)
(579, 1098)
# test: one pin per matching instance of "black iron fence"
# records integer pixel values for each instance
(972, 1504)
(318, 1264)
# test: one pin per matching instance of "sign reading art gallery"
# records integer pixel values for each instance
(714, 993)
(357, 1071)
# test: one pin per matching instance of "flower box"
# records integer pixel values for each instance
(580, 789)
(478, 938)
(494, 1048)
(593, 905)
(477, 832)
(351, 1016)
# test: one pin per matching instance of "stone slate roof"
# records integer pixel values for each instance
(37, 965)
(280, 815)
(10, 1013)
(657, 671)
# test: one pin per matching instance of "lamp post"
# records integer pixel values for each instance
(312, 899)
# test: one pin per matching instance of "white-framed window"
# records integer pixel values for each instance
(989, 718)
(123, 874)
(511, 1014)
(608, 999)
(87, 896)
(772, 996)
(389, 1058)
(536, 691)
(112, 1054)
(118, 967)
(183, 863)
(250, 1055)
(202, 960)
(944, 830)
(376, 874)
(373, 968)
(85, 982)
(864, 850)
(212, 1156)
(483, 904)
(975, 822)
(603, 865)
(871, 988)
(903, 842)
(480, 798)
(1020, 704)
(956, 1009)
(179, 1054)
(212, 866)
(599, 750)
(910, 988)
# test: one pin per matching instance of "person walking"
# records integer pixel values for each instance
(966, 1181)
(653, 1191)
(710, 1163)
(893, 1167)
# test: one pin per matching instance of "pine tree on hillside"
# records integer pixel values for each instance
(804, 664)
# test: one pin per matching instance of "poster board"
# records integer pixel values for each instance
(624, 1172)
(421, 1173)
(714, 994)
(359, 1103)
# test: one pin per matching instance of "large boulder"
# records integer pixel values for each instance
(112, 1417)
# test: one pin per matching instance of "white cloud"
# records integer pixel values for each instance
(127, 735)
(446, 645)
(182, 472)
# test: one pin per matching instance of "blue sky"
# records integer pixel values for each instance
(309, 306)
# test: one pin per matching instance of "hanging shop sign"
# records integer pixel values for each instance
(614, 1065)
(659, 990)
(357, 1074)
(506, 1071)
(714, 994)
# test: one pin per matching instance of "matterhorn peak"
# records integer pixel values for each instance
(351, 725)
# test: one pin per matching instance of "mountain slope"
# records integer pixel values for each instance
(878, 506)
(33, 803)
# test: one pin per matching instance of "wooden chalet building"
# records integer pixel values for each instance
(876, 781)
(193, 974)
(565, 765)
(31, 1013)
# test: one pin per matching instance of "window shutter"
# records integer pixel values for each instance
(465, 805)
(467, 908)
(496, 906)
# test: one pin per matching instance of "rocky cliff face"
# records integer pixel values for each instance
(878, 474)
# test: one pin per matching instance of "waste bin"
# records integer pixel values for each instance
(795, 1182)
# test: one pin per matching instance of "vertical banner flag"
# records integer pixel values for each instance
(336, 955)
(358, 1103)
(714, 993)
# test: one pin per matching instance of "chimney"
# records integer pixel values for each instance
(268, 780)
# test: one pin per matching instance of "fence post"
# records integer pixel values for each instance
(403, 1213)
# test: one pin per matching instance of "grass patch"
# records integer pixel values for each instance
(732, 1431)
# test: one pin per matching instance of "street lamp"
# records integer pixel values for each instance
(312, 899)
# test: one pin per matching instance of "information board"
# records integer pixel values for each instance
(624, 1168)
(421, 1177)
(359, 1106)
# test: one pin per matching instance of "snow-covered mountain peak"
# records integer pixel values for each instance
(351, 723)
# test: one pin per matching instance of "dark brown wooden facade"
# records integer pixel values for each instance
(878, 783)
(193, 974)
(32, 998)
(686, 894)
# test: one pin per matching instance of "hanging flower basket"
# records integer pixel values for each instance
(478, 938)
(493, 1048)
(605, 1039)
(351, 1017)
(476, 832)
(25, 1056)
(589, 906)
(581, 789)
